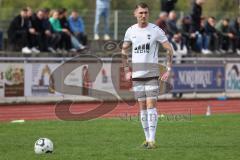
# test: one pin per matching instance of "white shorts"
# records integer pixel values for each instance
(146, 88)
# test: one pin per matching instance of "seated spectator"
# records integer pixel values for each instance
(202, 39)
(180, 49)
(65, 42)
(211, 40)
(18, 32)
(34, 35)
(76, 25)
(199, 36)
(235, 29)
(63, 18)
(50, 39)
(161, 22)
(46, 40)
(172, 28)
(29, 12)
(185, 29)
(226, 37)
(65, 25)
(35, 29)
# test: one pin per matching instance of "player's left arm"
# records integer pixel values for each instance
(168, 47)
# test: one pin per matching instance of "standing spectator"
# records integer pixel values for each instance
(77, 27)
(168, 5)
(102, 9)
(65, 42)
(161, 22)
(197, 29)
(227, 38)
(196, 14)
(18, 31)
(235, 29)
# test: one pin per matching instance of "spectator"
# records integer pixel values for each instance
(18, 31)
(198, 45)
(63, 19)
(235, 29)
(65, 25)
(161, 22)
(180, 50)
(172, 28)
(185, 29)
(47, 40)
(168, 5)
(201, 38)
(179, 47)
(34, 35)
(65, 42)
(212, 39)
(102, 9)
(227, 38)
(196, 14)
(29, 12)
(76, 25)
(36, 28)
(51, 39)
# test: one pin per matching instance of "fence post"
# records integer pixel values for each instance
(238, 7)
(1, 40)
(224, 78)
(115, 24)
(195, 86)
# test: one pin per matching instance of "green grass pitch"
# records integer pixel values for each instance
(212, 138)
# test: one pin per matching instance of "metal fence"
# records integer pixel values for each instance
(120, 20)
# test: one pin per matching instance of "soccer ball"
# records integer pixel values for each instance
(43, 145)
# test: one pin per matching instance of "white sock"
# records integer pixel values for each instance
(144, 121)
(152, 123)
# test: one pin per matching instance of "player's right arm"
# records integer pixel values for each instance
(125, 52)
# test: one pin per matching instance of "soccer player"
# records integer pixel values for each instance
(145, 37)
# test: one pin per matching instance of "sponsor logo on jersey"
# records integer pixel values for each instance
(144, 48)
(149, 36)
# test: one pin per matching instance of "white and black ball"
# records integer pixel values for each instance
(43, 145)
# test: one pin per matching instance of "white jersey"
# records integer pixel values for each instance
(145, 46)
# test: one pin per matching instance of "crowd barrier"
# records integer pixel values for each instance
(31, 77)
